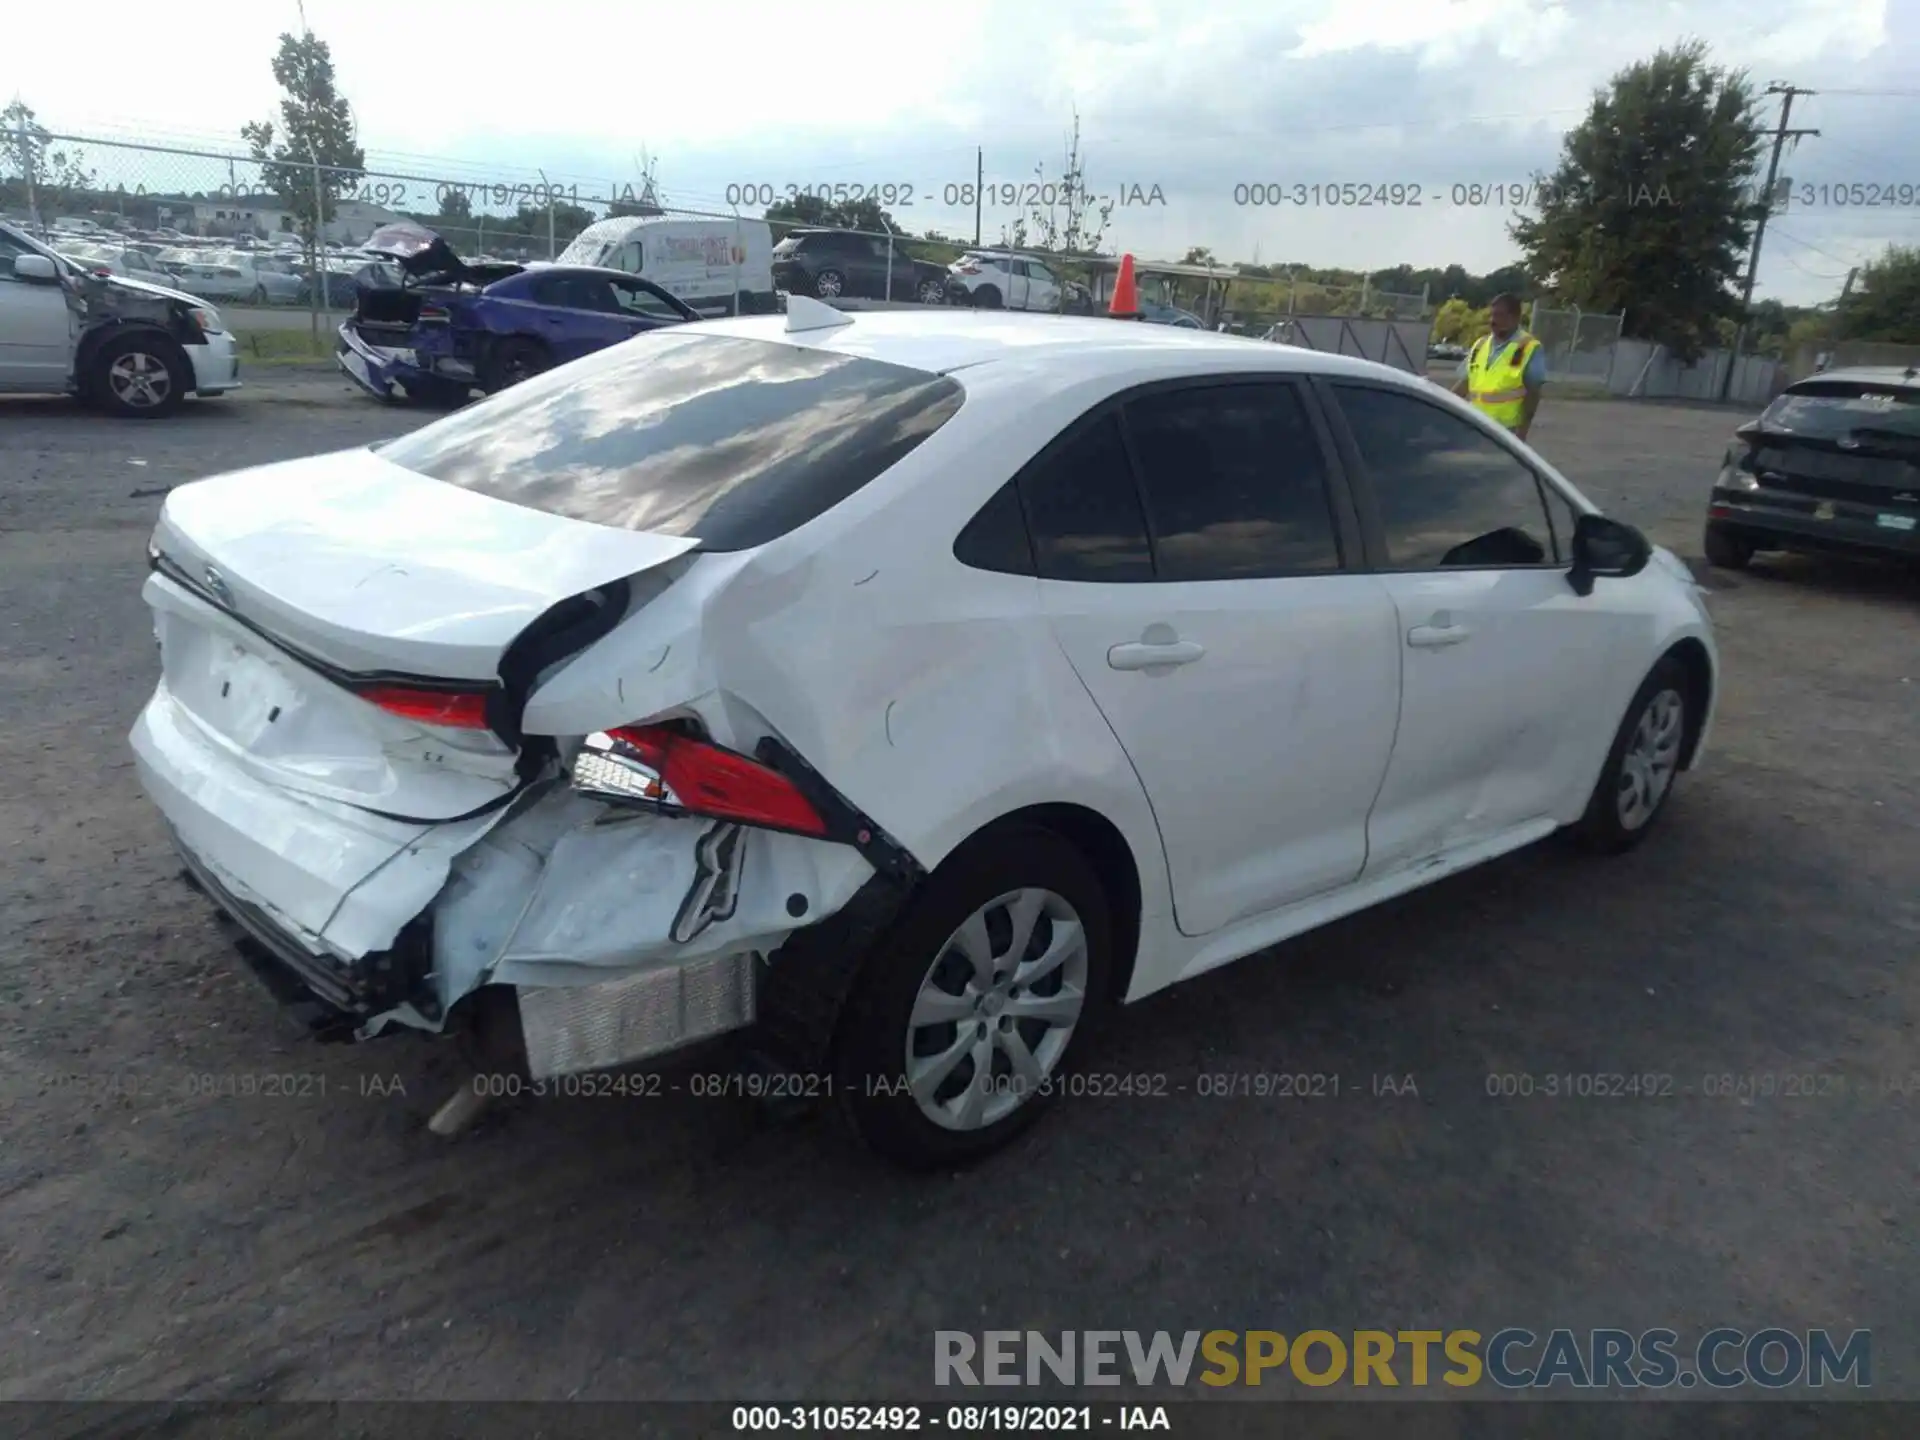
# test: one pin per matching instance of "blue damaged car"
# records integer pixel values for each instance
(450, 326)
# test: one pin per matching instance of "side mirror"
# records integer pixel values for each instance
(34, 267)
(1605, 547)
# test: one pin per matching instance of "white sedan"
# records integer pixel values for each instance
(905, 687)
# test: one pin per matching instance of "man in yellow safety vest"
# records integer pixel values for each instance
(1505, 371)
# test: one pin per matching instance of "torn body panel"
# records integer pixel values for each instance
(572, 893)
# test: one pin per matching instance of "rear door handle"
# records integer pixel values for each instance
(1139, 656)
(1433, 637)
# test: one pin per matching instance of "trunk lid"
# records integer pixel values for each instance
(314, 617)
(373, 569)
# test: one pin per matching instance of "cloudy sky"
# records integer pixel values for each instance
(1197, 99)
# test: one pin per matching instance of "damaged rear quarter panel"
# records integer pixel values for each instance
(573, 893)
(932, 696)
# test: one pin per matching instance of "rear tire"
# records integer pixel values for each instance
(138, 376)
(950, 986)
(517, 358)
(829, 285)
(987, 297)
(1726, 550)
(1643, 763)
(932, 292)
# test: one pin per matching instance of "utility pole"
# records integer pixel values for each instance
(979, 185)
(1781, 135)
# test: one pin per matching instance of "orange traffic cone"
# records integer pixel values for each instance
(1126, 303)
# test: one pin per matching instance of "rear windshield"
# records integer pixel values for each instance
(729, 441)
(1836, 409)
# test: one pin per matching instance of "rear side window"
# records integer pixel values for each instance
(996, 538)
(730, 441)
(1084, 511)
(1235, 482)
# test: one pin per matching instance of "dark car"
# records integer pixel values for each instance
(1154, 313)
(829, 264)
(1833, 464)
(450, 325)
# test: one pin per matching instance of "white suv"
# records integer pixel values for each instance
(121, 344)
(1002, 280)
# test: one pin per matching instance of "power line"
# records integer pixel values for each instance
(1844, 260)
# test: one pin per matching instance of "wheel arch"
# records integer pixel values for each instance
(1106, 849)
(99, 336)
(1692, 655)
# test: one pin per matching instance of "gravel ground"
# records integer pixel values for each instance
(158, 1240)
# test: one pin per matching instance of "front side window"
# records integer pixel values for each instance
(1235, 483)
(734, 442)
(636, 299)
(1449, 497)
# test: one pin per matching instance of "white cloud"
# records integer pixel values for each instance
(1195, 98)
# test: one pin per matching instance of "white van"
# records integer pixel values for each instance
(719, 267)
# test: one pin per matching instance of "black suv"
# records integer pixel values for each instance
(1832, 464)
(828, 264)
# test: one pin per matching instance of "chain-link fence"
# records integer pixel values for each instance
(1578, 345)
(241, 230)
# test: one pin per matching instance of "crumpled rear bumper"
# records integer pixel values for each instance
(374, 370)
(622, 935)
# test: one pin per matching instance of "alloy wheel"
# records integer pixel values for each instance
(996, 1009)
(139, 381)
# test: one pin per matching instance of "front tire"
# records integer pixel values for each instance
(932, 292)
(964, 1016)
(140, 376)
(1726, 550)
(1637, 780)
(829, 285)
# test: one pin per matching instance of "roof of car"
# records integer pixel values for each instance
(1865, 375)
(1077, 347)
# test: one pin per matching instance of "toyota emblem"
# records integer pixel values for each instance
(217, 586)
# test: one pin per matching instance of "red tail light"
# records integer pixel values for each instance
(456, 709)
(433, 315)
(969, 269)
(654, 764)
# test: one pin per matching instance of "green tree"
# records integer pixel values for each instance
(1452, 322)
(1650, 209)
(1885, 305)
(1076, 222)
(455, 207)
(315, 129)
(60, 175)
(820, 210)
(1198, 255)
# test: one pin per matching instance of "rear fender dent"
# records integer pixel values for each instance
(571, 893)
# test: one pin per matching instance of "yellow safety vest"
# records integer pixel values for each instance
(1499, 389)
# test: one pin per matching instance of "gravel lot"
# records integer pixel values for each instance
(158, 1241)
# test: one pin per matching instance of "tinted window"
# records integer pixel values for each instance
(1449, 496)
(1831, 409)
(638, 300)
(732, 441)
(1235, 483)
(996, 538)
(1084, 511)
